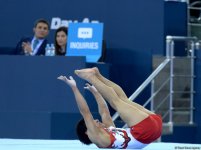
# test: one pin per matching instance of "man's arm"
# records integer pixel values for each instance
(82, 105)
(102, 106)
(23, 47)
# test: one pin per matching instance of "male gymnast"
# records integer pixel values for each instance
(144, 126)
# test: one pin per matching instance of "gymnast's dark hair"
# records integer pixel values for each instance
(81, 132)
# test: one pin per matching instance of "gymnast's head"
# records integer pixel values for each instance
(81, 130)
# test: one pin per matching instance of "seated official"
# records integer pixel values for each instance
(34, 45)
(60, 41)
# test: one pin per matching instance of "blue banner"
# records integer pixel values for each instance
(85, 39)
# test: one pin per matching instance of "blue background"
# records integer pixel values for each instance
(127, 24)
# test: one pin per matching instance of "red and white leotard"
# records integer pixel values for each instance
(137, 136)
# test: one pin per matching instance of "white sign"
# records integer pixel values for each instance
(85, 33)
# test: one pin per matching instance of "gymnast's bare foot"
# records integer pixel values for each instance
(85, 73)
(96, 71)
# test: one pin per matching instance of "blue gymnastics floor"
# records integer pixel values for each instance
(19, 144)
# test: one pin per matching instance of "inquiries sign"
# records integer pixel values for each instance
(85, 39)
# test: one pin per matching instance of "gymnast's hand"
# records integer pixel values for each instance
(71, 82)
(91, 88)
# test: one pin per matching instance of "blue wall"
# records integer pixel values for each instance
(33, 101)
(127, 24)
(129, 69)
(30, 83)
(197, 102)
(132, 29)
(182, 134)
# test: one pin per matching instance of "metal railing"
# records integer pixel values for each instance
(170, 41)
(194, 18)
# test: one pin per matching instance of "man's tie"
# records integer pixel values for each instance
(35, 43)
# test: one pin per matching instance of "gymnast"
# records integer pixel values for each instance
(144, 126)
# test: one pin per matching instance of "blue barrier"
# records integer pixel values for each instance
(33, 103)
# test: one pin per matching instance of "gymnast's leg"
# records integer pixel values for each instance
(128, 113)
(119, 91)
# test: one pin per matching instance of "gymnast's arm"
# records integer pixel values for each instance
(102, 106)
(82, 105)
